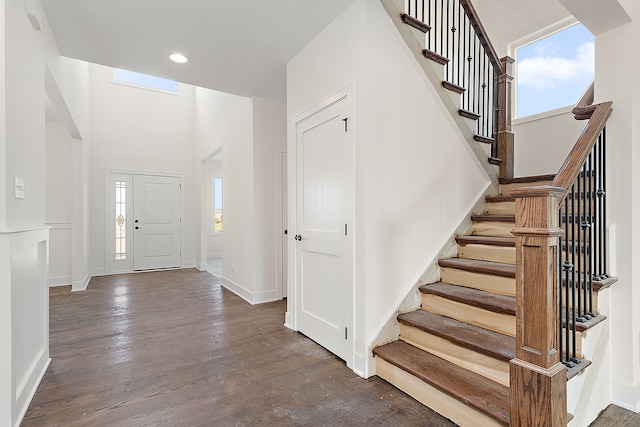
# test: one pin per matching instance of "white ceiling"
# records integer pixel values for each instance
(234, 46)
(239, 47)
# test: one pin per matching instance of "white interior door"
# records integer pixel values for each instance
(156, 217)
(324, 199)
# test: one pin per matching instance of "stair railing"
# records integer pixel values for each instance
(560, 247)
(456, 38)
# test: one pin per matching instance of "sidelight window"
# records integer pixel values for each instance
(217, 204)
(121, 223)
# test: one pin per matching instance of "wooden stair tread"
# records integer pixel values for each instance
(435, 57)
(474, 297)
(498, 198)
(483, 139)
(601, 284)
(494, 218)
(472, 389)
(583, 326)
(598, 285)
(453, 87)
(480, 266)
(527, 179)
(415, 23)
(487, 240)
(468, 114)
(480, 340)
(577, 368)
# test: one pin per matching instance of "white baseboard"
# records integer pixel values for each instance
(360, 364)
(248, 296)
(288, 321)
(59, 281)
(97, 272)
(81, 285)
(626, 396)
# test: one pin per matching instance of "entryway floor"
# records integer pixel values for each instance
(174, 348)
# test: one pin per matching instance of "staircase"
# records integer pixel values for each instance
(499, 335)
(453, 354)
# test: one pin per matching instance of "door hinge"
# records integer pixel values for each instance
(345, 230)
(346, 125)
(345, 333)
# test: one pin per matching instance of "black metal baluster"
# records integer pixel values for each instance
(577, 223)
(559, 268)
(573, 272)
(567, 267)
(601, 213)
(441, 28)
(465, 96)
(459, 49)
(603, 138)
(429, 23)
(422, 10)
(448, 66)
(592, 221)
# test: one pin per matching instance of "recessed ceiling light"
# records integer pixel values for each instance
(179, 58)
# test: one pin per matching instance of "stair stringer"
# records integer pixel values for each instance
(414, 40)
(390, 330)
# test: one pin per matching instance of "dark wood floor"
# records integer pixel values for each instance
(615, 416)
(175, 349)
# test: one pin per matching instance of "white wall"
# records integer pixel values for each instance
(59, 201)
(24, 345)
(543, 141)
(247, 133)
(617, 79)
(269, 133)
(140, 130)
(416, 179)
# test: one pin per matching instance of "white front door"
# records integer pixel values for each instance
(156, 222)
(324, 245)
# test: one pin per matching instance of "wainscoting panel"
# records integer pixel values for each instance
(29, 289)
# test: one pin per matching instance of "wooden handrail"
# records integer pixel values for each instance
(578, 155)
(585, 108)
(482, 36)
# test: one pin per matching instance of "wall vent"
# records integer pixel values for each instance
(34, 12)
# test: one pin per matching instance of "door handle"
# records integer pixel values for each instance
(286, 231)
(298, 237)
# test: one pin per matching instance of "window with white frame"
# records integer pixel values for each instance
(216, 225)
(554, 71)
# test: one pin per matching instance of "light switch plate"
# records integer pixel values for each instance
(19, 188)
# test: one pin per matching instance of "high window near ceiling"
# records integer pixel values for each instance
(145, 81)
(554, 71)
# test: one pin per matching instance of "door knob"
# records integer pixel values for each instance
(286, 231)
(298, 237)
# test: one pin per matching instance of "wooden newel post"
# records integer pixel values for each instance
(504, 135)
(538, 379)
